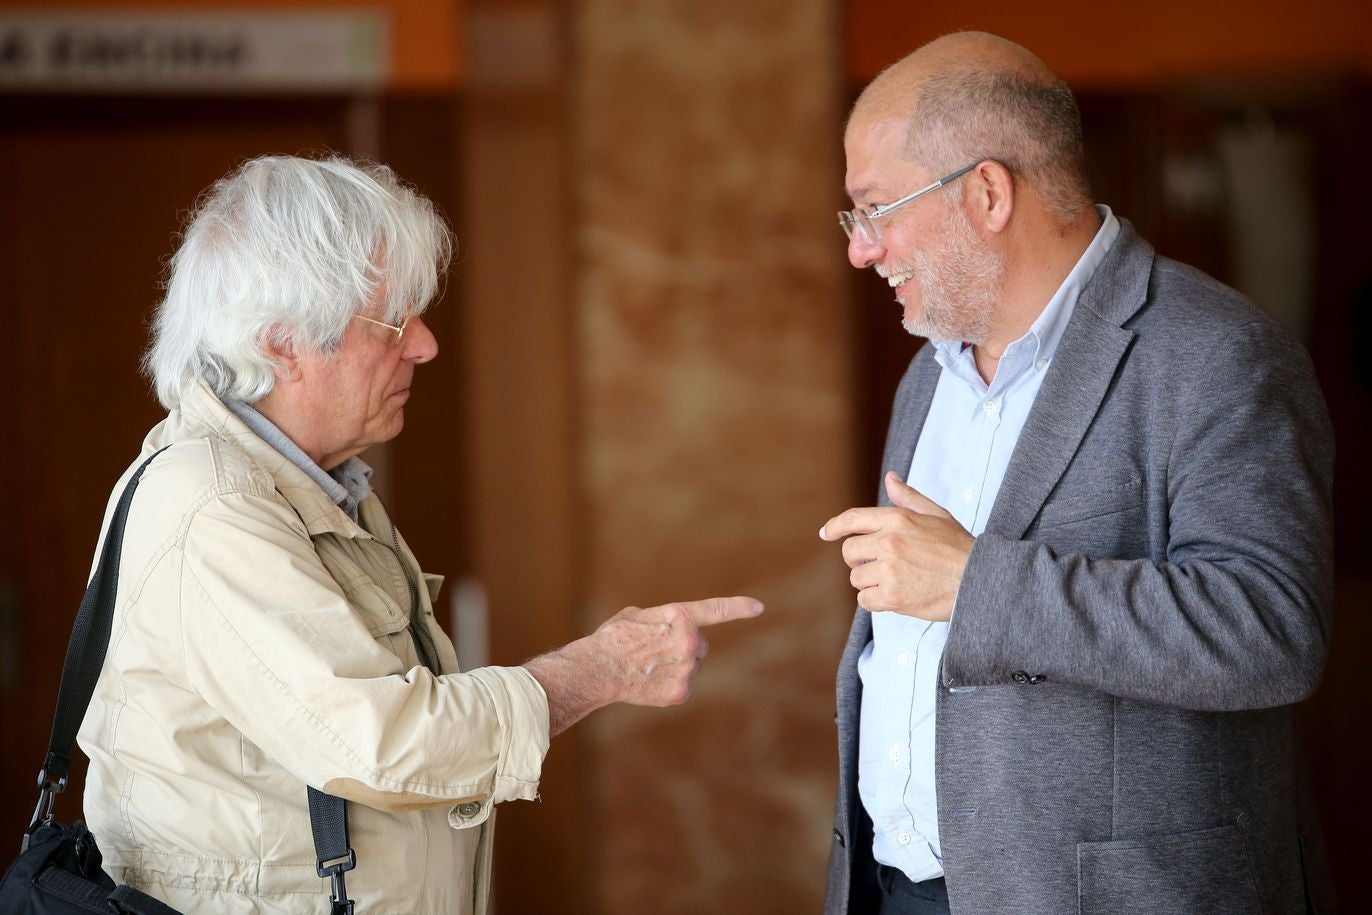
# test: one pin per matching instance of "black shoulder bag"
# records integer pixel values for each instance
(58, 871)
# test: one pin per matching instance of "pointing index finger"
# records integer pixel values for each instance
(721, 609)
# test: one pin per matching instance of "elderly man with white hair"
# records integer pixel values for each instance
(272, 629)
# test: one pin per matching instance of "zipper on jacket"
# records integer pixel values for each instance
(423, 641)
(419, 633)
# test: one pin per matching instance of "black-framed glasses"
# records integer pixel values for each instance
(863, 219)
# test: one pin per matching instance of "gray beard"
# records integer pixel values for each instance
(959, 285)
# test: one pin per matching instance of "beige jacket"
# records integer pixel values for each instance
(261, 643)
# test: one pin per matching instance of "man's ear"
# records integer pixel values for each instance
(280, 349)
(993, 198)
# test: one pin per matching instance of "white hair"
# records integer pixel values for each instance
(289, 249)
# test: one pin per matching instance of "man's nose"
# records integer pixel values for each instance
(420, 343)
(862, 252)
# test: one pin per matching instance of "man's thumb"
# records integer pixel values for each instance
(901, 495)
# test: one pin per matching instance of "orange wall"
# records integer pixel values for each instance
(426, 35)
(1121, 43)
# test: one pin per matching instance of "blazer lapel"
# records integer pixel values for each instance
(1087, 357)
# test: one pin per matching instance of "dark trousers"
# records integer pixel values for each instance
(901, 896)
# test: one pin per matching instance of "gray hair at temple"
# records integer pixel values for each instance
(1023, 117)
(290, 249)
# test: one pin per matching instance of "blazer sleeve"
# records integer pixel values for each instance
(1237, 613)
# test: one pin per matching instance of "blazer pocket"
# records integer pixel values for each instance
(1205, 871)
(1078, 505)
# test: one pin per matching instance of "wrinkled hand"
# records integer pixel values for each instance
(639, 656)
(656, 653)
(907, 558)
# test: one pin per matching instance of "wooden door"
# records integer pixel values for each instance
(92, 192)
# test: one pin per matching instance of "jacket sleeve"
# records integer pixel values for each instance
(1237, 613)
(272, 644)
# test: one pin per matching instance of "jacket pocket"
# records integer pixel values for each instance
(378, 610)
(1205, 871)
(1078, 505)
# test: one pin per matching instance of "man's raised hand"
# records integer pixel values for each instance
(905, 558)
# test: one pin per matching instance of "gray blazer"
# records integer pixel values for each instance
(1151, 595)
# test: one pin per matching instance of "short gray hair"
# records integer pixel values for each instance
(293, 248)
(1032, 128)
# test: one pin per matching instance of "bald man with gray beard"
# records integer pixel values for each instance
(1099, 573)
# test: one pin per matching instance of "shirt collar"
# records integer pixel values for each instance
(1047, 330)
(1049, 327)
(347, 484)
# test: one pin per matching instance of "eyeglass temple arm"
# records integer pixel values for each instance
(888, 207)
(896, 204)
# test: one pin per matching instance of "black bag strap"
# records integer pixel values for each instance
(90, 638)
(335, 857)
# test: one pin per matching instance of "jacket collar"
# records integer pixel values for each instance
(201, 407)
(1092, 346)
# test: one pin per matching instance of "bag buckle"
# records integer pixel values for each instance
(48, 789)
(335, 868)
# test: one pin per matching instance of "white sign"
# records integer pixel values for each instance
(193, 52)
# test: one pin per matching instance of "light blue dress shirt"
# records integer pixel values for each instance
(959, 462)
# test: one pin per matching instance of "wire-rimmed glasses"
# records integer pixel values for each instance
(863, 219)
(399, 329)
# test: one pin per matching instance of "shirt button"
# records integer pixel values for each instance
(469, 809)
(1041, 364)
(903, 838)
(967, 494)
(894, 753)
(989, 406)
(903, 658)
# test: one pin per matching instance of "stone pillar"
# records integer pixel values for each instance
(660, 408)
(715, 432)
